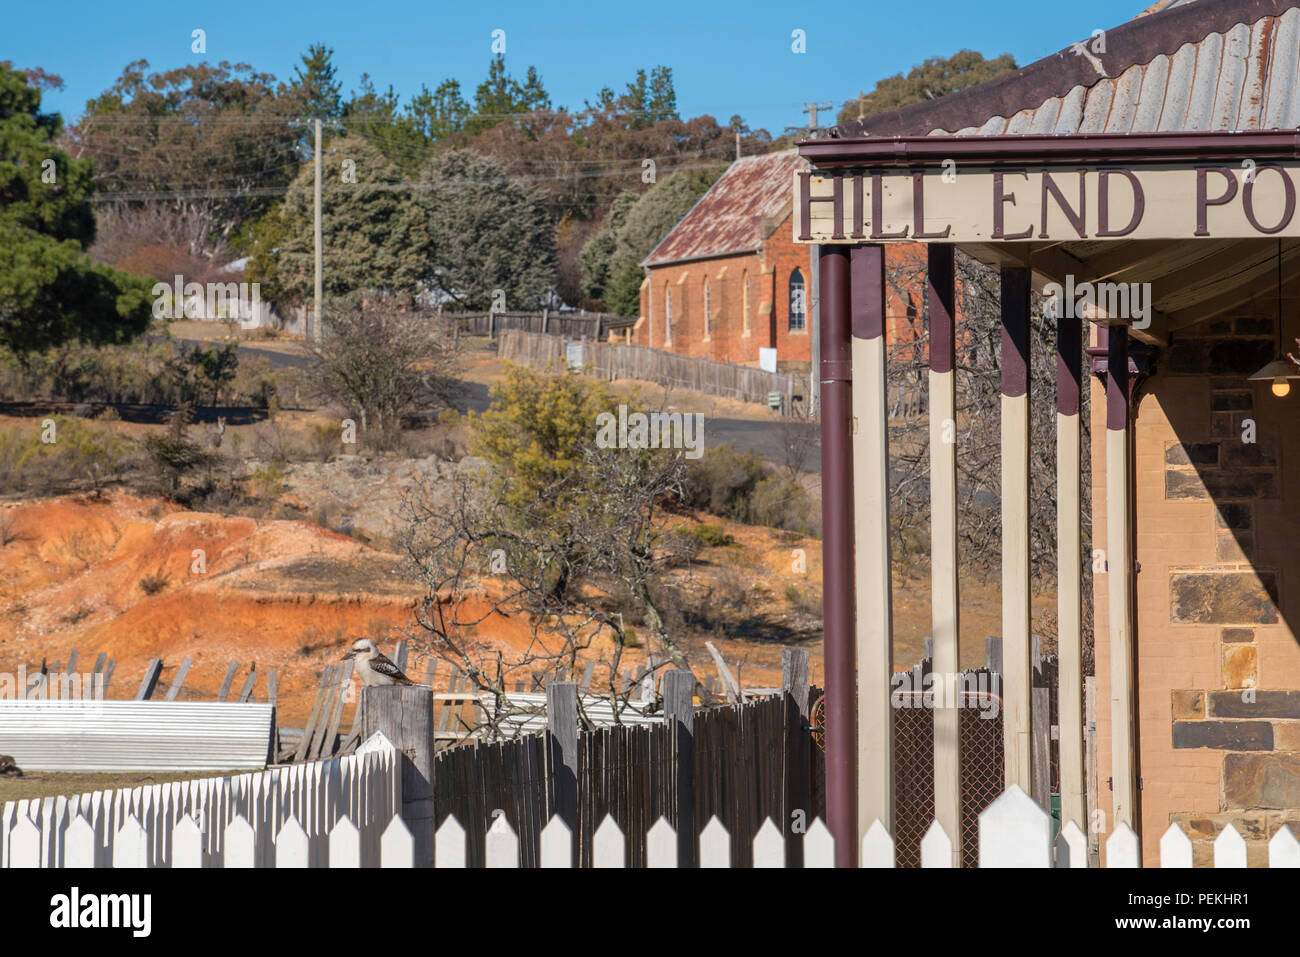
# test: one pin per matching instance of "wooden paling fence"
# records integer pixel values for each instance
(612, 361)
(60, 682)
(591, 325)
(741, 763)
(630, 773)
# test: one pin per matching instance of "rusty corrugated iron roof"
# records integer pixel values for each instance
(1190, 65)
(729, 218)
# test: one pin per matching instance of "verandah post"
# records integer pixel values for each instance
(875, 640)
(1069, 564)
(1015, 526)
(944, 603)
(841, 734)
(1119, 575)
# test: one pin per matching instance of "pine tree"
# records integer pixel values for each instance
(50, 292)
(373, 236)
(486, 234)
(315, 88)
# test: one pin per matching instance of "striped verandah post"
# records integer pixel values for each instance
(1069, 564)
(1015, 529)
(840, 713)
(944, 568)
(1119, 575)
(875, 631)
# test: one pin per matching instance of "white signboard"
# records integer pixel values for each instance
(767, 359)
(573, 356)
(1226, 200)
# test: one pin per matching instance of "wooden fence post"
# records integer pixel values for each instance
(993, 654)
(309, 729)
(562, 741)
(993, 663)
(175, 687)
(150, 680)
(246, 692)
(226, 682)
(1040, 730)
(404, 713)
(729, 683)
(797, 768)
(679, 712)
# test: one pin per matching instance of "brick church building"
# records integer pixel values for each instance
(729, 278)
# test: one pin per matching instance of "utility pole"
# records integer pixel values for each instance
(862, 101)
(316, 318)
(811, 109)
(737, 144)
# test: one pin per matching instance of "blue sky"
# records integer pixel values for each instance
(726, 58)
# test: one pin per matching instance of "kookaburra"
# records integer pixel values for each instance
(373, 668)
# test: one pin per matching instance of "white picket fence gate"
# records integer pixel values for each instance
(344, 812)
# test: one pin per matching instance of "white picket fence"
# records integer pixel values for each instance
(344, 813)
(1013, 832)
(258, 819)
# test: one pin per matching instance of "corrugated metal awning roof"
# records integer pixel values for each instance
(1242, 79)
(1191, 66)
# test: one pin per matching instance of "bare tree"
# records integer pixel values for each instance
(978, 430)
(800, 440)
(560, 562)
(380, 362)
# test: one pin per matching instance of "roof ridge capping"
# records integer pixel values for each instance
(1134, 42)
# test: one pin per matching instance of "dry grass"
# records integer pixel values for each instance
(39, 784)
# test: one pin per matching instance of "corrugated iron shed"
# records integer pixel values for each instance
(729, 218)
(92, 735)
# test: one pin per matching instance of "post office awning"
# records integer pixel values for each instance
(1197, 215)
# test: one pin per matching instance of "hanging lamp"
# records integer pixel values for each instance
(1281, 370)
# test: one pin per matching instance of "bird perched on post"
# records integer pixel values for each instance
(375, 670)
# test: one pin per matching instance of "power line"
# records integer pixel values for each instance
(404, 186)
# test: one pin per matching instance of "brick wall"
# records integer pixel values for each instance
(1217, 526)
(770, 271)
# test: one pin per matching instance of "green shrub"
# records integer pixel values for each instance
(268, 481)
(782, 503)
(174, 456)
(738, 486)
(709, 536)
(324, 439)
(805, 601)
(61, 453)
(153, 584)
(722, 481)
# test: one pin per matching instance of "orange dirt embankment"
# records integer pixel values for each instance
(139, 579)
